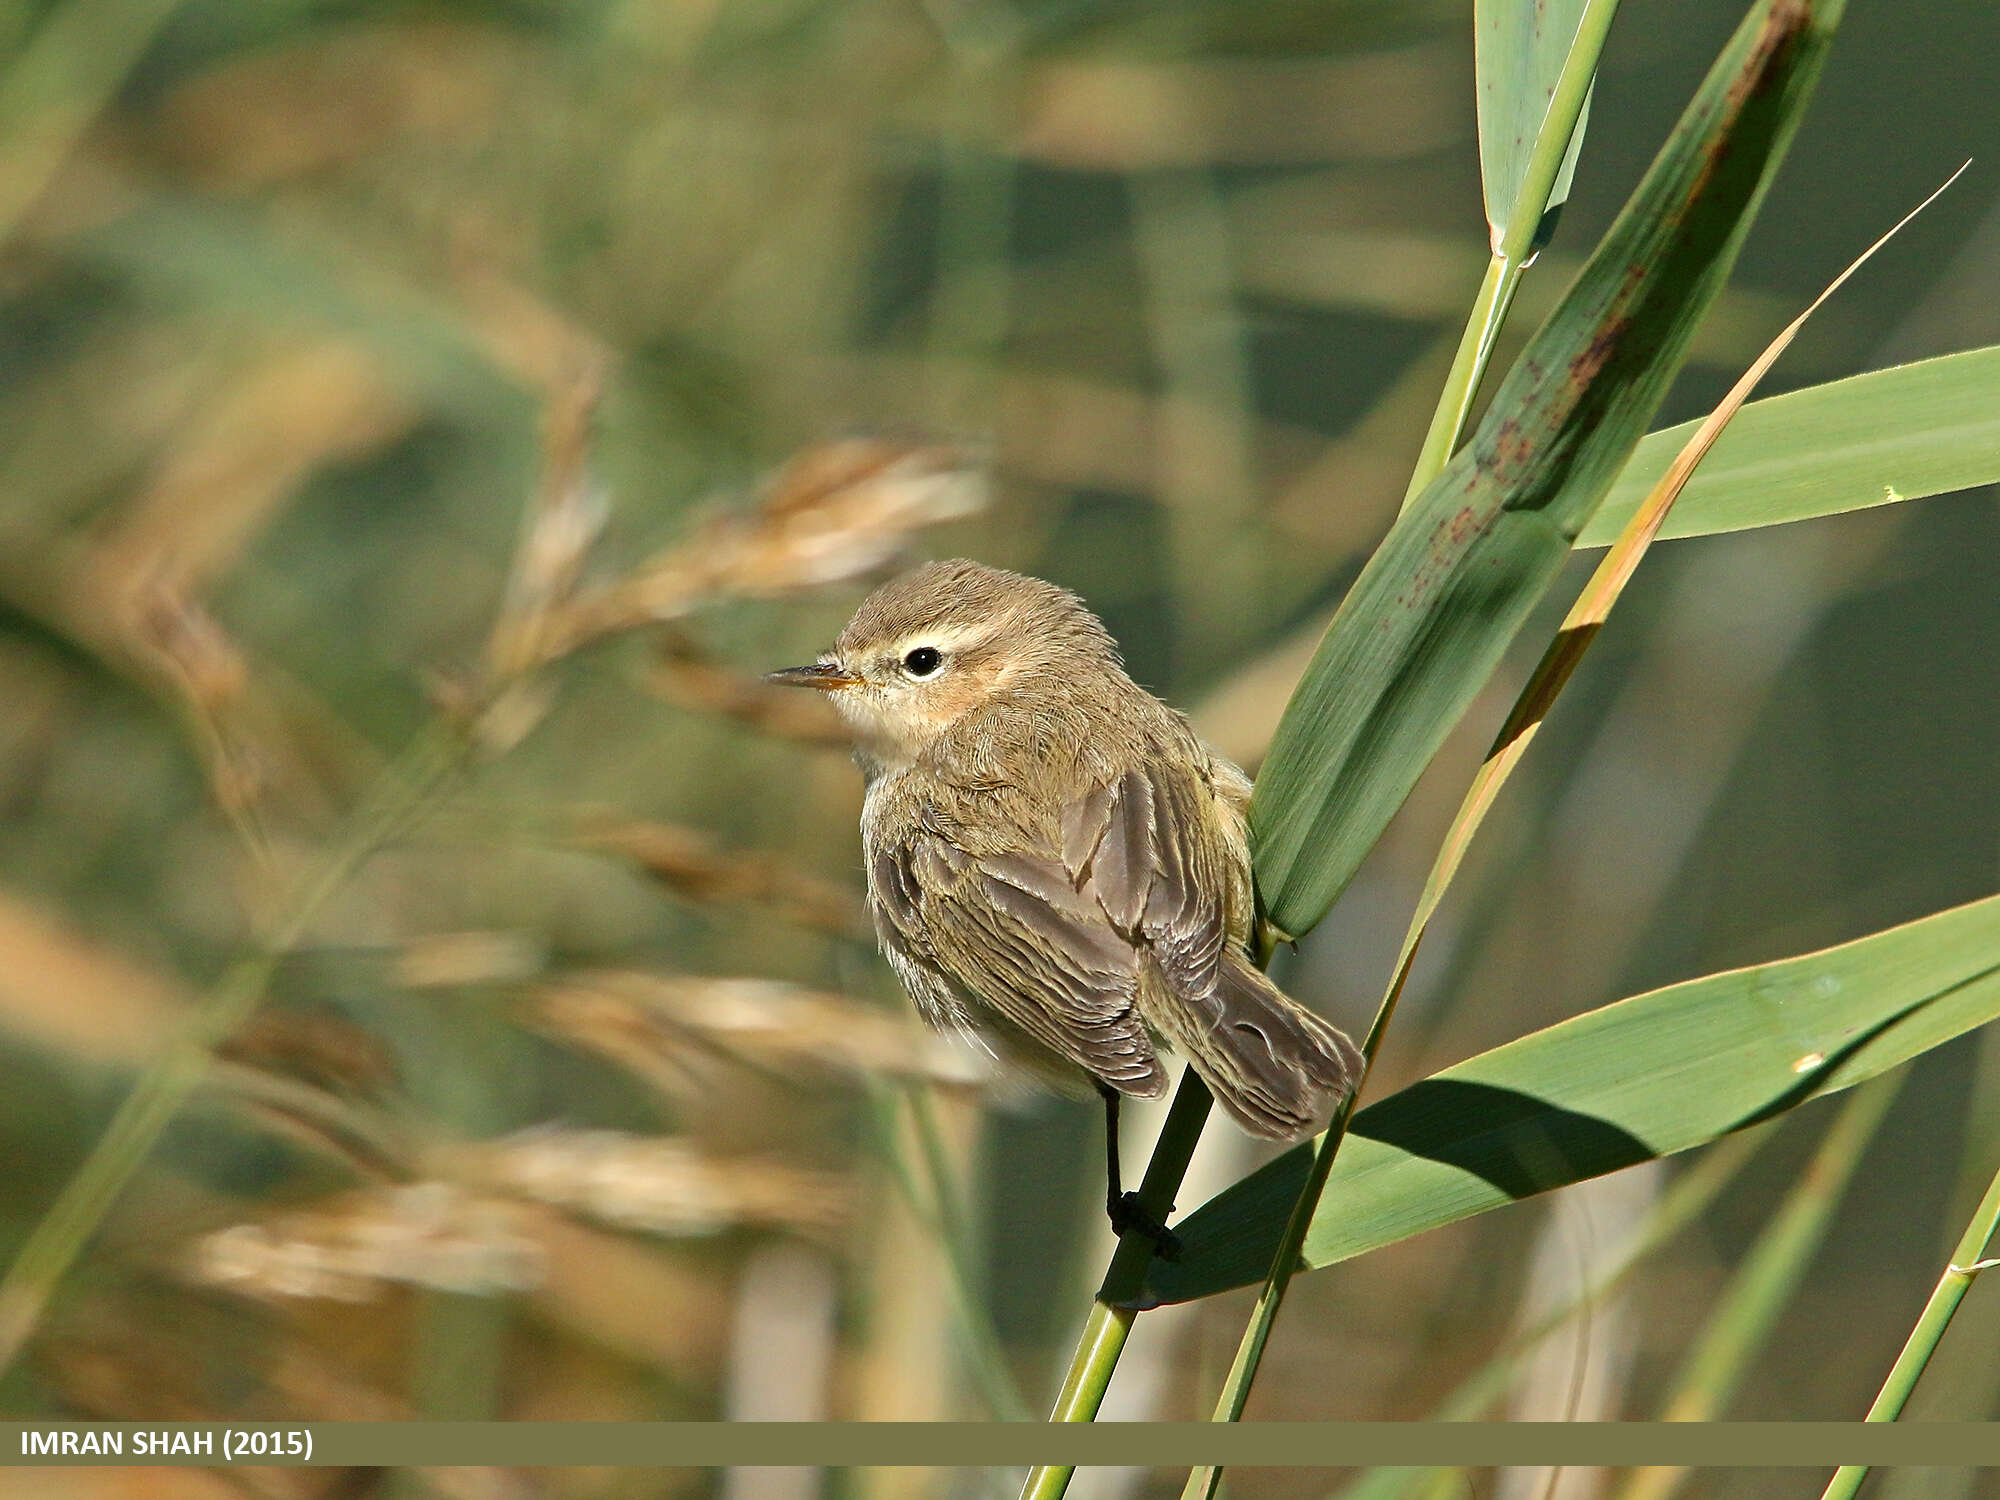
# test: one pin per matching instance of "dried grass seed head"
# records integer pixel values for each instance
(837, 511)
(428, 1234)
(660, 1184)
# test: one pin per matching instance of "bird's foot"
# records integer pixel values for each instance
(1128, 1214)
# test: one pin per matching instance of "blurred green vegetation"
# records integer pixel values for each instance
(293, 301)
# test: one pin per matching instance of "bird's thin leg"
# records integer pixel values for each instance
(1124, 1209)
(1113, 1197)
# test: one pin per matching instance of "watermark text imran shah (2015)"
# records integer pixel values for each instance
(224, 1444)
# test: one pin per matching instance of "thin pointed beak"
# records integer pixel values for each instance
(824, 675)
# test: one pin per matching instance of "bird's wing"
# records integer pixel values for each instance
(1154, 864)
(895, 902)
(1138, 844)
(1014, 930)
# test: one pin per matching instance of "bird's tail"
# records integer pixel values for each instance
(1274, 1065)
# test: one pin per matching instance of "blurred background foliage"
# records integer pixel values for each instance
(588, 1097)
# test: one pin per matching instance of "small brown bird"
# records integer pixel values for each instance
(1056, 863)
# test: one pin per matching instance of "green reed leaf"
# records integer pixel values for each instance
(1644, 1077)
(1433, 611)
(1899, 434)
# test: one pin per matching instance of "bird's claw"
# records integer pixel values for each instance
(1128, 1214)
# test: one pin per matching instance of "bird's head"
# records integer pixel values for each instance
(947, 640)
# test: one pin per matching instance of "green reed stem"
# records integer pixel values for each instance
(1468, 367)
(59, 1238)
(1104, 1331)
(1764, 1284)
(1515, 250)
(1967, 1261)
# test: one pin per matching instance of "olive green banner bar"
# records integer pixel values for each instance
(983, 1445)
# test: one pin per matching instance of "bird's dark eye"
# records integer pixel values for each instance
(923, 661)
